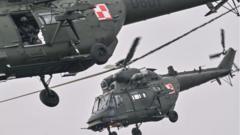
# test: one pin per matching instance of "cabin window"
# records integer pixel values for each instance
(47, 18)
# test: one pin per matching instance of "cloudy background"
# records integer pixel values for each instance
(209, 109)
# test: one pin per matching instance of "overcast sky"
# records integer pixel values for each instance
(209, 109)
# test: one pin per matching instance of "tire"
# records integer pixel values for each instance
(99, 53)
(49, 98)
(173, 116)
(136, 131)
(114, 133)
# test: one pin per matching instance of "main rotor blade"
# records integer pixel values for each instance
(131, 51)
(223, 39)
(215, 55)
(85, 77)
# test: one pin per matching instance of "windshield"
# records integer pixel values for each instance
(101, 103)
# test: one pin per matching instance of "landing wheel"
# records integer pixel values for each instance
(48, 97)
(113, 133)
(99, 53)
(136, 131)
(173, 116)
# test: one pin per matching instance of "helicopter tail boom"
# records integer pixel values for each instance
(138, 10)
(197, 77)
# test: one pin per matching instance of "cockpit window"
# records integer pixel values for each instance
(118, 100)
(101, 103)
(95, 106)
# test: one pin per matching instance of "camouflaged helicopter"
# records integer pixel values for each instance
(45, 37)
(135, 96)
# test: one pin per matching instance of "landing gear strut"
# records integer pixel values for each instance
(111, 133)
(136, 130)
(48, 96)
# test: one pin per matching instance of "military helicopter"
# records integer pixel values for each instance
(45, 37)
(135, 96)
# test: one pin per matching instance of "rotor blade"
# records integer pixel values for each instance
(85, 77)
(120, 62)
(223, 39)
(215, 55)
(131, 51)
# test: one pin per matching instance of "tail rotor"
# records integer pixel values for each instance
(216, 55)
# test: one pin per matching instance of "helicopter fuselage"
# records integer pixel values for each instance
(135, 102)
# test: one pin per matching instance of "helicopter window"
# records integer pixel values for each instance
(104, 101)
(47, 18)
(118, 100)
(96, 104)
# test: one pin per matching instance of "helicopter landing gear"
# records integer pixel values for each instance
(100, 53)
(47, 96)
(111, 133)
(173, 116)
(136, 130)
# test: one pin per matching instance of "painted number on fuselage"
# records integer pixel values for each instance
(145, 3)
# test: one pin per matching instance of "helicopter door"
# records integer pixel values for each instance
(28, 28)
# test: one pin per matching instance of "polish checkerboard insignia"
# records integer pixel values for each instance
(102, 12)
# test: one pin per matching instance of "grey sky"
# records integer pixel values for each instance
(209, 109)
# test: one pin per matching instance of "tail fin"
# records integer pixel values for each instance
(228, 60)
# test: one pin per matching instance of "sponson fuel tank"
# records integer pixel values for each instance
(138, 10)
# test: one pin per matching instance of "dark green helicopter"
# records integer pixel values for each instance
(44, 37)
(135, 96)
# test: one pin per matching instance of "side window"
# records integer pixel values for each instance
(47, 18)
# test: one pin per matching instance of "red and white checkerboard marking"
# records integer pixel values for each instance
(102, 12)
(170, 86)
